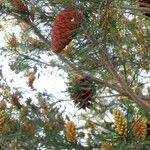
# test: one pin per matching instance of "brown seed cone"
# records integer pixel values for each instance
(82, 92)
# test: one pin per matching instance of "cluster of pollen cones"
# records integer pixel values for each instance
(64, 28)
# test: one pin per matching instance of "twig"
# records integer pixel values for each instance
(107, 96)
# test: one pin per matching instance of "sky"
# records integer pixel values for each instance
(52, 83)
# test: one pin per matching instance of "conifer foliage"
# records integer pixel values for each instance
(100, 49)
(145, 4)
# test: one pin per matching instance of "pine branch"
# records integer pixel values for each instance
(32, 59)
(128, 90)
(124, 89)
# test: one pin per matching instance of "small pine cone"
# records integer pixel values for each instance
(63, 30)
(120, 122)
(82, 93)
(83, 99)
(19, 6)
(106, 146)
(70, 131)
(140, 127)
(2, 119)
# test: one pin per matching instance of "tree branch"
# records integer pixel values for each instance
(124, 89)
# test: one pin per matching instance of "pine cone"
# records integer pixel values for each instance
(120, 122)
(64, 27)
(70, 131)
(140, 127)
(82, 93)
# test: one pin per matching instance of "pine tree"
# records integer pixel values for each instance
(102, 46)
